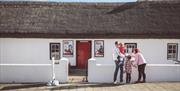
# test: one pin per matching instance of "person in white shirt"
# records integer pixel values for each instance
(118, 58)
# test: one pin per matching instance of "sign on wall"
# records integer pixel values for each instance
(68, 48)
(99, 48)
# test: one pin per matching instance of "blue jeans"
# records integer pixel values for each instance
(118, 65)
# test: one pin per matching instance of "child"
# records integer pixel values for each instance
(128, 69)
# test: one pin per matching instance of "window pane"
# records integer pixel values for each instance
(129, 50)
(174, 56)
(53, 54)
(57, 46)
(169, 47)
(57, 50)
(174, 47)
(169, 51)
(53, 47)
(174, 51)
(131, 46)
(52, 50)
(169, 56)
(57, 57)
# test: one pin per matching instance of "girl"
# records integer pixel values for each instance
(128, 69)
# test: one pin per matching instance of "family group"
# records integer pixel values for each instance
(125, 62)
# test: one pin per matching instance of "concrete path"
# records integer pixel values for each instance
(165, 86)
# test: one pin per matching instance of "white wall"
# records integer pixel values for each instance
(28, 73)
(25, 73)
(36, 51)
(154, 72)
(21, 50)
(154, 50)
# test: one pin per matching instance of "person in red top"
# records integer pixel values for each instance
(121, 48)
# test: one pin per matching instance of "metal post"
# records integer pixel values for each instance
(86, 80)
(53, 74)
(53, 82)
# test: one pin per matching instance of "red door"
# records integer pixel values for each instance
(83, 53)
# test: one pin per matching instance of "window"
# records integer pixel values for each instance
(172, 51)
(130, 47)
(55, 51)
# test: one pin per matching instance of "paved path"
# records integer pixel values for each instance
(165, 86)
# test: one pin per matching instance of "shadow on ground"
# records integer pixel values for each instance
(60, 87)
(22, 86)
(78, 86)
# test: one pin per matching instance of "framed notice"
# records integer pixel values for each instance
(68, 48)
(99, 48)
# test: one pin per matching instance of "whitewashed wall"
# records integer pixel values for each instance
(154, 72)
(154, 50)
(28, 73)
(25, 73)
(34, 51)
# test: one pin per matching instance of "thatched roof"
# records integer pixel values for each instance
(90, 20)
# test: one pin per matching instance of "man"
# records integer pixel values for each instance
(118, 58)
(122, 58)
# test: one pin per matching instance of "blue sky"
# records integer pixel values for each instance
(77, 0)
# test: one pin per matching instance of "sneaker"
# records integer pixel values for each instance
(121, 83)
(115, 82)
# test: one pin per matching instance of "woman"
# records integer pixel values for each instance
(141, 62)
